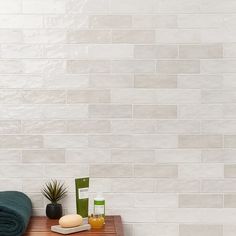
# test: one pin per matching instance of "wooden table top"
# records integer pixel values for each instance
(41, 226)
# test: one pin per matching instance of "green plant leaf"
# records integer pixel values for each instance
(54, 191)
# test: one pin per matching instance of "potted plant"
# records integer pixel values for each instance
(54, 191)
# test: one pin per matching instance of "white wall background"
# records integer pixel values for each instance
(139, 94)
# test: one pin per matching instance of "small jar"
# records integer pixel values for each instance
(96, 221)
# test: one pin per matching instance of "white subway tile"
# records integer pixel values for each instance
(88, 6)
(219, 155)
(156, 171)
(44, 36)
(65, 141)
(218, 96)
(201, 200)
(71, 51)
(151, 229)
(133, 36)
(155, 81)
(110, 111)
(43, 126)
(11, 35)
(20, 81)
(201, 230)
(110, 21)
(66, 171)
(178, 186)
(197, 216)
(229, 230)
(111, 81)
(217, 6)
(65, 81)
(87, 66)
(230, 171)
(133, 66)
(11, 184)
(200, 81)
(200, 141)
(155, 141)
(21, 141)
(135, 215)
(218, 66)
(203, 51)
(133, 126)
(200, 21)
(156, 200)
(203, 111)
(10, 156)
(88, 126)
(10, 127)
(21, 171)
(132, 156)
(88, 96)
(43, 6)
(199, 171)
(178, 66)
(179, 6)
(87, 156)
(21, 51)
(110, 141)
(178, 156)
(60, 21)
(218, 126)
(177, 126)
(229, 141)
(89, 36)
(133, 185)
(43, 156)
(155, 51)
(133, 6)
(154, 21)
(21, 21)
(111, 170)
(110, 51)
(229, 50)
(218, 186)
(180, 36)
(155, 111)
(11, 6)
(119, 200)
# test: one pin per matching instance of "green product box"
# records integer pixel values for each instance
(82, 196)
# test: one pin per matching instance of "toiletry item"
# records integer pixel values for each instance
(60, 230)
(96, 222)
(70, 221)
(99, 205)
(82, 196)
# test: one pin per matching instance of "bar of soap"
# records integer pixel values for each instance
(70, 221)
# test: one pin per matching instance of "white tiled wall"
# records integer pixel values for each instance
(138, 94)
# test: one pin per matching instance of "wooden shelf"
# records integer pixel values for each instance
(41, 226)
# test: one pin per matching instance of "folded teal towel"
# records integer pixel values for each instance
(15, 212)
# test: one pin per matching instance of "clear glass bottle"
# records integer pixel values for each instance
(99, 205)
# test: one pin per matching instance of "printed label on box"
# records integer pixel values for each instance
(83, 193)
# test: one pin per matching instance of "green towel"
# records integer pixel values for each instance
(15, 212)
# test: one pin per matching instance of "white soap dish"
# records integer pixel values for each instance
(60, 230)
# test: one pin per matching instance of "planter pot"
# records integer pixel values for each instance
(54, 211)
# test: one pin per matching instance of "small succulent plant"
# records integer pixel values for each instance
(54, 191)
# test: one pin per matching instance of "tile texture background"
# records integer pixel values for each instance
(138, 94)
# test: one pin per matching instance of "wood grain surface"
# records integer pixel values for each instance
(41, 226)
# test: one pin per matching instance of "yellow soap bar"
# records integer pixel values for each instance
(69, 221)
